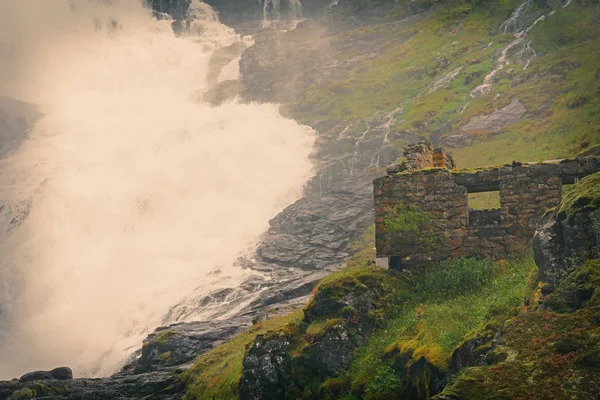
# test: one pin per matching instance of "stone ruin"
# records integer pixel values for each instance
(422, 213)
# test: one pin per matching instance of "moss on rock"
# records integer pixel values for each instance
(584, 196)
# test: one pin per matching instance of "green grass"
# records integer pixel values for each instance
(560, 92)
(559, 88)
(216, 374)
(484, 201)
(413, 55)
(585, 194)
(555, 355)
(452, 300)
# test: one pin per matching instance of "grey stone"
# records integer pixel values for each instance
(560, 245)
(497, 120)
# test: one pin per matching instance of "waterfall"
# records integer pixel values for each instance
(513, 25)
(518, 25)
(129, 192)
(295, 10)
(272, 14)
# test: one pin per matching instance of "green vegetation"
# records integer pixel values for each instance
(584, 195)
(216, 374)
(559, 89)
(23, 394)
(407, 220)
(40, 389)
(163, 336)
(428, 65)
(484, 201)
(555, 355)
(441, 309)
(424, 317)
(451, 49)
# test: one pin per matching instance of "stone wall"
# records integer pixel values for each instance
(422, 214)
(421, 156)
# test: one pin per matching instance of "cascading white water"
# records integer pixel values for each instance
(133, 189)
(271, 12)
(295, 10)
(519, 26)
(272, 15)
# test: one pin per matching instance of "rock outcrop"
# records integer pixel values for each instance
(60, 374)
(295, 360)
(158, 386)
(266, 369)
(497, 120)
(570, 234)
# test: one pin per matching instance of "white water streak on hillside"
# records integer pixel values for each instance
(137, 189)
(514, 25)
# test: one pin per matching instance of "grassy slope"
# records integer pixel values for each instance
(429, 315)
(216, 375)
(585, 195)
(560, 88)
(563, 81)
(439, 311)
(547, 354)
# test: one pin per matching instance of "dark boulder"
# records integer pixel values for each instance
(60, 374)
(265, 369)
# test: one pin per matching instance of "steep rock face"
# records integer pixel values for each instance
(295, 361)
(316, 231)
(571, 234)
(266, 369)
(281, 65)
(497, 120)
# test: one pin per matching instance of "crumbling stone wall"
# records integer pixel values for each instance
(421, 156)
(422, 214)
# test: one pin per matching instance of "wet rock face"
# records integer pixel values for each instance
(497, 120)
(266, 369)
(281, 65)
(290, 363)
(335, 350)
(316, 231)
(181, 344)
(560, 245)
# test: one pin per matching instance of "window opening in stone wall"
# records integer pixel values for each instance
(484, 201)
(484, 208)
(395, 262)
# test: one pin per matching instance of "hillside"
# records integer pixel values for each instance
(514, 77)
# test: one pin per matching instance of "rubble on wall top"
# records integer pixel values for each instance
(422, 157)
